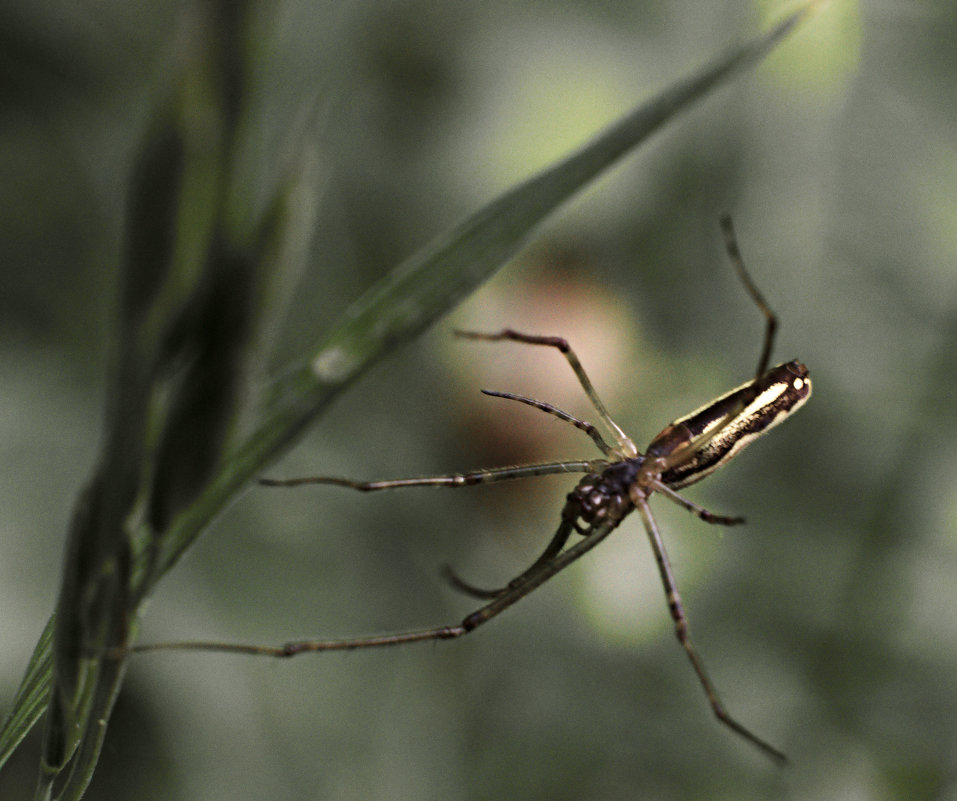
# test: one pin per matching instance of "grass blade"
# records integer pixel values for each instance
(31, 697)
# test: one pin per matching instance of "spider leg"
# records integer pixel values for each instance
(450, 480)
(684, 636)
(700, 511)
(583, 425)
(531, 580)
(464, 587)
(734, 254)
(628, 448)
(553, 548)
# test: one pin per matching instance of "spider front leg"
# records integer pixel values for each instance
(625, 444)
(531, 581)
(581, 425)
(553, 548)
(470, 479)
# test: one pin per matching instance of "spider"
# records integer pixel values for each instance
(613, 487)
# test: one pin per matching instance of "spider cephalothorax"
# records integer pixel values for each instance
(603, 496)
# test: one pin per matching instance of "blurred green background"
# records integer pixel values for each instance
(828, 622)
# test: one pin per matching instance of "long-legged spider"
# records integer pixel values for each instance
(684, 452)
